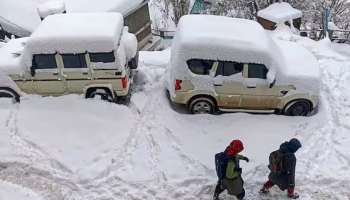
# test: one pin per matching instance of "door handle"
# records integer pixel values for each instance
(217, 84)
(251, 87)
(55, 73)
(85, 73)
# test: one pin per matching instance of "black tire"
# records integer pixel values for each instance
(201, 105)
(134, 62)
(9, 93)
(298, 108)
(103, 93)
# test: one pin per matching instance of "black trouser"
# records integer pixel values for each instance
(219, 189)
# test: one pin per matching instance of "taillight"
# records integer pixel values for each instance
(125, 82)
(178, 84)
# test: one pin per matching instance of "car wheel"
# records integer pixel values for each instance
(9, 94)
(298, 108)
(202, 106)
(102, 94)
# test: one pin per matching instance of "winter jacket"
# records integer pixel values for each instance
(287, 177)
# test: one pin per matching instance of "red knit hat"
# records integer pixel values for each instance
(235, 147)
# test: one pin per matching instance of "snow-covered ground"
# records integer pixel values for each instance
(76, 149)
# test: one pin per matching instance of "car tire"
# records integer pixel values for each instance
(101, 93)
(298, 108)
(201, 105)
(9, 93)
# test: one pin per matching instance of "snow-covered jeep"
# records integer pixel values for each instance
(227, 64)
(91, 54)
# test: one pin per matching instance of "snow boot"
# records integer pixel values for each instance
(292, 194)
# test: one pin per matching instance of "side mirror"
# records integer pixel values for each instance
(272, 83)
(32, 71)
(271, 78)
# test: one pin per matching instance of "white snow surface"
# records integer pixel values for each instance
(51, 7)
(280, 12)
(10, 191)
(11, 56)
(77, 33)
(76, 149)
(122, 6)
(19, 24)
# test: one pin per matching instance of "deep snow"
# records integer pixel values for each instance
(71, 148)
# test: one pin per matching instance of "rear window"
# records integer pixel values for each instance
(257, 71)
(44, 61)
(102, 57)
(200, 67)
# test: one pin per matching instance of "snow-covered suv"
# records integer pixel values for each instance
(234, 65)
(91, 54)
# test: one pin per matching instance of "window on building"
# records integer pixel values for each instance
(72, 61)
(44, 61)
(226, 68)
(200, 67)
(257, 71)
(102, 57)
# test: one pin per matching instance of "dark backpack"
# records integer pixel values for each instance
(221, 164)
(276, 162)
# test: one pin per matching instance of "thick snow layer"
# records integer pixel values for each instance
(122, 6)
(280, 12)
(77, 33)
(19, 18)
(51, 7)
(11, 56)
(130, 43)
(223, 38)
(10, 191)
(300, 67)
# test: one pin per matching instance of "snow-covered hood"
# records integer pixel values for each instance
(11, 57)
(298, 67)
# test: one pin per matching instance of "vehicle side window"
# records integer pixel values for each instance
(257, 71)
(72, 61)
(226, 68)
(102, 57)
(200, 67)
(44, 61)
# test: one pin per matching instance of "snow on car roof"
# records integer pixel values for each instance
(280, 12)
(224, 38)
(122, 6)
(77, 33)
(51, 7)
(19, 18)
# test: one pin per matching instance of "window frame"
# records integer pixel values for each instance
(221, 66)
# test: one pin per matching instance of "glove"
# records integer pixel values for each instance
(245, 159)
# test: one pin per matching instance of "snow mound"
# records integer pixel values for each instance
(10, 191)
(51, 7)
(280, 12)
(10, 59)
(20, 18)
(122, 6)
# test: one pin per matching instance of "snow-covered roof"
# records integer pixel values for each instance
(19, 17)
(122, 6)
(217, 37)
(280, 12)
(51, 7)
(77, 33)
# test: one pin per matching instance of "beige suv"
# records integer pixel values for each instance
(90, 54)
(233, 65)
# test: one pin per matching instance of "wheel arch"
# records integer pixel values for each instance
(292, 101)
(202, 96)
(90, 88)
(12, 92)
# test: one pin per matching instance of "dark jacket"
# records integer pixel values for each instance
(287, 177)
